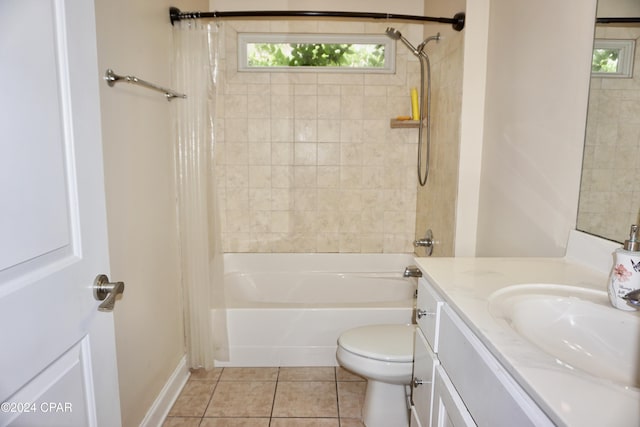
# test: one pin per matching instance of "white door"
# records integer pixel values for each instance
(57, 351)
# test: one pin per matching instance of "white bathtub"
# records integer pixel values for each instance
(289, 309)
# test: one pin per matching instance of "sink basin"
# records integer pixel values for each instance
(575, 325)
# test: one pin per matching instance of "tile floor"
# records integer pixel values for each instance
(270, 397)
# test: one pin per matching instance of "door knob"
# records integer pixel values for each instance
(105, 291)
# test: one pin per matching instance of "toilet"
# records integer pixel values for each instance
(383, 354)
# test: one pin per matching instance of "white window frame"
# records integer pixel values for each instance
(389, 52)
(625, 57)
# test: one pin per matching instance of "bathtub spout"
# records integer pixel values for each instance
(412, 271)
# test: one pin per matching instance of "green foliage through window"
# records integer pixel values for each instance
(605, 60)
(613, 58)
(315, 55)
(315, 52)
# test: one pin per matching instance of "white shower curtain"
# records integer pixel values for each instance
(196, 47)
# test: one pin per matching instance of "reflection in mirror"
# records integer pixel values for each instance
(610, 188)
(613, 58)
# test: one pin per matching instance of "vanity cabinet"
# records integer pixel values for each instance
(457, 381)
(433, 397)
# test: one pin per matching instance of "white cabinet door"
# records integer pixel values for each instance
(57, 352)
(424, 363)
(448, 407)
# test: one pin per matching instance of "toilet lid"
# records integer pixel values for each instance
(392, 343)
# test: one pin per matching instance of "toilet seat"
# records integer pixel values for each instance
(387, 343)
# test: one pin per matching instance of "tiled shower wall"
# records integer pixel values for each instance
(307, 162)
(436, 204)
(610, 194)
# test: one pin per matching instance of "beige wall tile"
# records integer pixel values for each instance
(312, 159)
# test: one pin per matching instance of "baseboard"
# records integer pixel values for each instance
(168, 395)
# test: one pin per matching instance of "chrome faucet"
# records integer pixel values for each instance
(412, 271)
(633, 297)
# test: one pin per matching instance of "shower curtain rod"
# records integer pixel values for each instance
(175, 14)
(626, 20)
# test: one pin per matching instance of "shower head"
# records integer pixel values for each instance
(397, 35)
(393, 33)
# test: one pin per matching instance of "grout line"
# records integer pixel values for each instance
(211, 396)
(273, 400)
(335, 374)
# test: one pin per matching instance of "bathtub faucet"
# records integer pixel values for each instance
(412, 271)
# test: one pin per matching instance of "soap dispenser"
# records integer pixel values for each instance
(625, 275)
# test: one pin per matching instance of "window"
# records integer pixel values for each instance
(316, 52)
(612, 58)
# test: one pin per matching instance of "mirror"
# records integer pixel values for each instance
(610, 188)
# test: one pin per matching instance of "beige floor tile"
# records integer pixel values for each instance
(350, 422)
(189, 406)
(198, 388)
(351, 398)
(193, 399)
(201, 374)
(248, 397)
(249, 374)
(344, 375)
(242, 399)
(181, 422)
(235, 422)
(307, 374)
(305, 422)
(305, 399)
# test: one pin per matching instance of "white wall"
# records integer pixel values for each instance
(134, 37)
(535, 112)
(471, 126)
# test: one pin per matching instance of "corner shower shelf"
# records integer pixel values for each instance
(404, 124)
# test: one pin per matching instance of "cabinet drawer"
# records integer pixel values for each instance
(428, 309)
(423, 370)
(448, 408)
(488, 390)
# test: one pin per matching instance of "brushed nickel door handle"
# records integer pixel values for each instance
(105, 291)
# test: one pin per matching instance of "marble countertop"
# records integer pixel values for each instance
(568, 396)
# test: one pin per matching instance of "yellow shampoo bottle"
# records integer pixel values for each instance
(415, 110)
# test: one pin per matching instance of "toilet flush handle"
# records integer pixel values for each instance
(417, 382)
